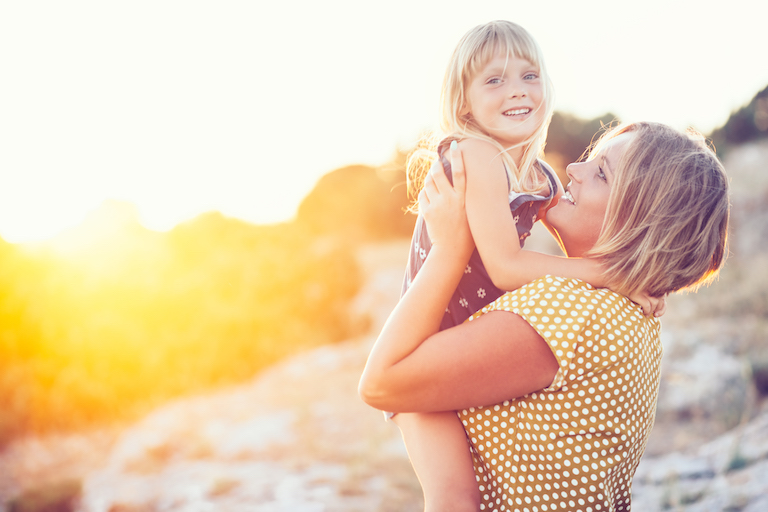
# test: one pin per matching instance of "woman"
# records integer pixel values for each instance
(569, 374)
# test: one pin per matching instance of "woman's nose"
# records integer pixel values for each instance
(572, 171)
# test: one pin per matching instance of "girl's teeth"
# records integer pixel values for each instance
(517, 112)
(568, 197)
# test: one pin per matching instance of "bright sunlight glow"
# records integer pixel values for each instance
(181, 108)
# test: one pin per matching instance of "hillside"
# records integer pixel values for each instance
(297, 438)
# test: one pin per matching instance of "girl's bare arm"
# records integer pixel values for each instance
(494, 230)
(495, 233)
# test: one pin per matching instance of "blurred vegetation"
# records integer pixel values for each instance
(111, 319)
(570, 137)
(360, 202)
(748, 123)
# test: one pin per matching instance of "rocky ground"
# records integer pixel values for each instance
(297, 438)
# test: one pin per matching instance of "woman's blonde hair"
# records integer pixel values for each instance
(666, 225)
(474, 51)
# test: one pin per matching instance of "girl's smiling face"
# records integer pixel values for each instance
(578, 216)
(505, 99)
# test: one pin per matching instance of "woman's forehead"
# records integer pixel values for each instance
(611, 152)
(615, 145)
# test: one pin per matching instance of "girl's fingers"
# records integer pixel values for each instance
(655, 306)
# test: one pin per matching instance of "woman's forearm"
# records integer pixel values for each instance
(415, 318)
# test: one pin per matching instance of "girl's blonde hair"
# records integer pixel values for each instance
(474, 51)
(666, 225)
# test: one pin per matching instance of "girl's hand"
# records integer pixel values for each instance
(659, 305)
(655, 306)
(442, 205)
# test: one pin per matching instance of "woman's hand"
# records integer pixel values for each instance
(442, 205)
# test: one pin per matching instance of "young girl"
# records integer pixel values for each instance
(497, 102)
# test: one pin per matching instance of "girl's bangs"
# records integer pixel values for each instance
(503, 44)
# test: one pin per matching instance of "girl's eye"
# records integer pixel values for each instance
(531, 76)
(601, 174)
(493, 81)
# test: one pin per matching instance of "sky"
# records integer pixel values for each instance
(180, 107)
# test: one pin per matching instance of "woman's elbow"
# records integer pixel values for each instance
(370, 391)
(375, 391)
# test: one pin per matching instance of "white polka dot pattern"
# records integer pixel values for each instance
(576, 444)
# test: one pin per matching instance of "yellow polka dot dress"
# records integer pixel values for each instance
(576, 444)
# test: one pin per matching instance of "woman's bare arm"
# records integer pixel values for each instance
(496, 357)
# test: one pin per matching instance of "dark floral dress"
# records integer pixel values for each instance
(476, 289)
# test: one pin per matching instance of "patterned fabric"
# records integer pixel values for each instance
(576, 444)
(475, 289)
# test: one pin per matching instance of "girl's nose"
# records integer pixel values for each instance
(516, 90)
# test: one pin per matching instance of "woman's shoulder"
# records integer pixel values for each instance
(563, 297)
(569, 313)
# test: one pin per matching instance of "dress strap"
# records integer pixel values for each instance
(550, 174)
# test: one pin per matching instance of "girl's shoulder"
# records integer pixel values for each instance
(474, 150)
(465, 142)
(477, 154)
(473, 144)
